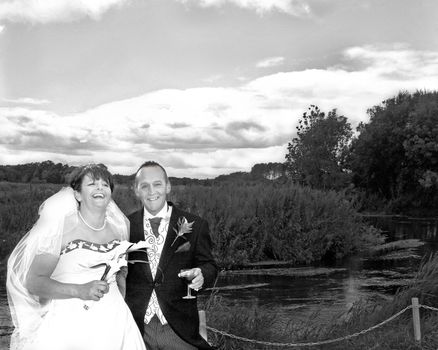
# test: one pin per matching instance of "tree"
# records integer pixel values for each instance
(395, 155)
(270, 171)
(316, 157)
(45, 171)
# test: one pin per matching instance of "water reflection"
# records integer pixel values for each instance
(398, 228)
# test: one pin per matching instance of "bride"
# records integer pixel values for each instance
(62, 287)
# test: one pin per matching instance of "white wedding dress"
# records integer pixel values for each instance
(68, 325)
(64, 324)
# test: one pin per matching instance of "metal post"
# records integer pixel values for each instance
(202, 324)
(416, 319)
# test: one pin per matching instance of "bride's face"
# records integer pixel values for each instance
(94, 192)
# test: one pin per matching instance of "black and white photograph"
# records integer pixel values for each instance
(218, 174)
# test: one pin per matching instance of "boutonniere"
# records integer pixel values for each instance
(183, 227)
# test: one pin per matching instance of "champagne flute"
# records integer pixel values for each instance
(188, 280)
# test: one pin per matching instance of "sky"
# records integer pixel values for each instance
(204, 87)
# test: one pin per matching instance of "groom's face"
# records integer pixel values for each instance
(152, 188)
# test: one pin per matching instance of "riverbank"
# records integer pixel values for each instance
(396, 250)
(300, 312)
(257, 323)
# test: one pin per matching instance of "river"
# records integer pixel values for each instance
(325, 291)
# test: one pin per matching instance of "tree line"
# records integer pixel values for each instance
(389, 163)
(49, 172)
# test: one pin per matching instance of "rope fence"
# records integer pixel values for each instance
(416, 323)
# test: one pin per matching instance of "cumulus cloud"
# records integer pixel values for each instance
(26, 101)
(179, 125)
(270, 62)
(44, 131)
(205, 132)
(43, 141)
(397, 61)
(36, 11)
(292, 7)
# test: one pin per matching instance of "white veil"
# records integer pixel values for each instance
(57, 215)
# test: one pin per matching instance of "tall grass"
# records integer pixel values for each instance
(19, 205)
(253, 222)
(249, 222)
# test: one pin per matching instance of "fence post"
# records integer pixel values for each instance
(202, 324)
(416, 319)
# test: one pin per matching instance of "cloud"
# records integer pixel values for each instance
(178, 125)
(27, 100)
(44, 131)
(20, 120)
(213, 78)
(297, 8)
(46, 142)
(396, 62)
(244, 125)
(205, 132)
(36, 11)
(270, 62)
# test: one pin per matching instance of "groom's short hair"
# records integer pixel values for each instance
(150, 164)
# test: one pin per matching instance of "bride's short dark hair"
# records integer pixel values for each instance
(95, 171)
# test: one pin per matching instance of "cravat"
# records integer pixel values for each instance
(155, 223)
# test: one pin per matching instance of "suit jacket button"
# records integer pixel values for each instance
(156, 284)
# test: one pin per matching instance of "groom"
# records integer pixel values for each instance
(154, 291)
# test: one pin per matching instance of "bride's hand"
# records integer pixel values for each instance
(93, 290)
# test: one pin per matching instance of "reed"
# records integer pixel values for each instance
(249, 222)
(19, 205)
(253, 222)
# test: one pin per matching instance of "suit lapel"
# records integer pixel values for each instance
(138, 235)
(168, 248)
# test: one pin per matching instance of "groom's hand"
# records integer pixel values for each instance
(197, 281)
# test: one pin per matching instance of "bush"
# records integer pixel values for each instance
(249, 221)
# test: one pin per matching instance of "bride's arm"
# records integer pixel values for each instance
(121, 280)
(39, 283)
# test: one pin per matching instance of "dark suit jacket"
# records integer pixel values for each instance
(181, 314)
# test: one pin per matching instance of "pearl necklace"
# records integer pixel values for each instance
(91, 227)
